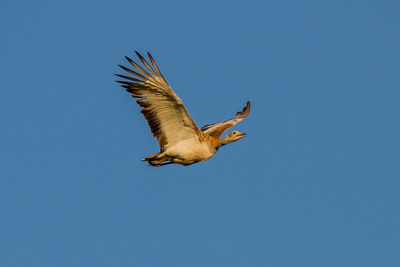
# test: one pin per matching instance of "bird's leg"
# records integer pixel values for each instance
(159, 164)
(157, 159)
(152, 157)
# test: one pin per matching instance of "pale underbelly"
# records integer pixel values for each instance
(189, 153)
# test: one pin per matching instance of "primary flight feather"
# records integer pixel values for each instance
(181, 140)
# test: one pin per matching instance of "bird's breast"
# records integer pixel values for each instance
(191, 150)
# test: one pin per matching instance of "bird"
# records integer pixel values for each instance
(181, 141)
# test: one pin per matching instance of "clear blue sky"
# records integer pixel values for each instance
(315, 183)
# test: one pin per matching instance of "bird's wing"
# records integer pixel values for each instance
(217, 129)
(164, 111)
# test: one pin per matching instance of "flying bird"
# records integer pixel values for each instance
(181, 140)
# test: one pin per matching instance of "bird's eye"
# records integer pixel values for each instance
(234, 132)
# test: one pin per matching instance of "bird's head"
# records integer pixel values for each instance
(234, 136)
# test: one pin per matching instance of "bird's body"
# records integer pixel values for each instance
(190, 151)
(181, 141)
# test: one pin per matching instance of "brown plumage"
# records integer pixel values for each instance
(181, 140)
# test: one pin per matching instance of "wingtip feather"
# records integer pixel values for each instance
(138, 54)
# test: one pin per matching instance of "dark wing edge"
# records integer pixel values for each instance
(245, 111)
(217, 129)
(155, 94)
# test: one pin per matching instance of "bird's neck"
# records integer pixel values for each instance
(218, 142)
(224, 141)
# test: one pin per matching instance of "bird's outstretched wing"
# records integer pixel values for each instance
(217, 129)
(164, 111)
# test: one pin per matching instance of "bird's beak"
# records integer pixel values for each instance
(242, 134)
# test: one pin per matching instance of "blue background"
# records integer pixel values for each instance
(315, 183)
